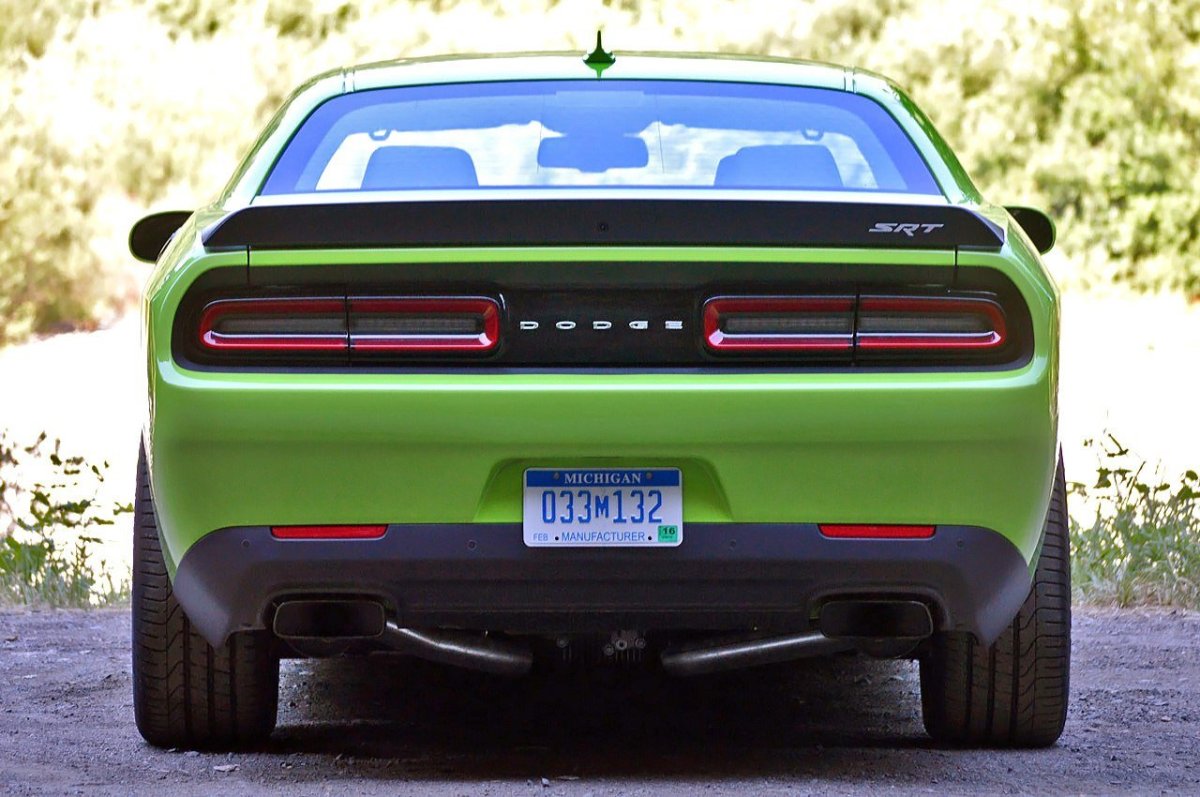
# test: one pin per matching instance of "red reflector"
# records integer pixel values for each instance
(274, 325)
(328, 532)
(872, 531)
(424, 324)
(766, 324)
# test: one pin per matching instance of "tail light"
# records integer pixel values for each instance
(766, 324)
(394, 325)
(417, 325)
(889, 323)
(277, 325)
(862, 327)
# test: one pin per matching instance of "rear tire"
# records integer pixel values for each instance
(1013, 693)
(187, 693)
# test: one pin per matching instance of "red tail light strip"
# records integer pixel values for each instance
(328, 532)
(476, 312)
(835, 309)
(280, 311)
(871, 531)
(915, 309)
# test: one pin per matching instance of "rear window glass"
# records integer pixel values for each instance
(618, 133)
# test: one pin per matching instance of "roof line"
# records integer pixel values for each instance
(690, 54)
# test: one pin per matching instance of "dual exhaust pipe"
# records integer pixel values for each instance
(876, 627)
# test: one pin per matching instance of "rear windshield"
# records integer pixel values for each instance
(600, 133)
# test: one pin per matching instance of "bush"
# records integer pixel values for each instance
(50, 277)
(1143, 544)
(1090, 109)
(36, 567)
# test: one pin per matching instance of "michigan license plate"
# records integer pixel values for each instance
(603, 507)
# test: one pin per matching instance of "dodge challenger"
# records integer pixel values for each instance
(673, 361)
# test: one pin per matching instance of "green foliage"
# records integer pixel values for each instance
(1143, 544)
(48, 273)
(36, 567)
(26, 28)
(108, 107)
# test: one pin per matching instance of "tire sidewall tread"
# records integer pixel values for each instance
(1013, 693)
(187, 693)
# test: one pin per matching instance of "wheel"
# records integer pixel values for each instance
(186, 693)
(1014, 693)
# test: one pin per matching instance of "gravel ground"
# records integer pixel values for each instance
(392, 726)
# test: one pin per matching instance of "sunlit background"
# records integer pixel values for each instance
(113, 108)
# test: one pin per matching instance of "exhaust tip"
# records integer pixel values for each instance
(328, 619)
(875, 619)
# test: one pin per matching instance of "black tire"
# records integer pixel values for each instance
(1014, 693)
(186, 693)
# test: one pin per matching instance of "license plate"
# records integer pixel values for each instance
(603, 507)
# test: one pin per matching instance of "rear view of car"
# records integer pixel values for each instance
(696, 363)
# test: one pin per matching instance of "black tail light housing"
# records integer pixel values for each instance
(325, 330)
(862, 329)
(452, 317)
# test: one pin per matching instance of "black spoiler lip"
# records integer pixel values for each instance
(603, 222)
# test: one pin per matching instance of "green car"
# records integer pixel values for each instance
(682, 362)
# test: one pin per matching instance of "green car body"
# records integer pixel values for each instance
(427, 449)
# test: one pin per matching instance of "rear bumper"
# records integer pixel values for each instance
(256, 449)
(723, 576)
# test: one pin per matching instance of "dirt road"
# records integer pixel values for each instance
(390, 726)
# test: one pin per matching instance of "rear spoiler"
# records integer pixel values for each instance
(601, 222)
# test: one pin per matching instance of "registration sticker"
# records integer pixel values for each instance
(603, 507)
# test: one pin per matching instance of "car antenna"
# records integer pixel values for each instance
(598, 59)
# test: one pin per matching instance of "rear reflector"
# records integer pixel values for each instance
(907, 323)
(328, 532)
(424, 325)
(780, 324)
(274, 325)
(876, 532)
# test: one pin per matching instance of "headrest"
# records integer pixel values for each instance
(396, 168)
(808, 166)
